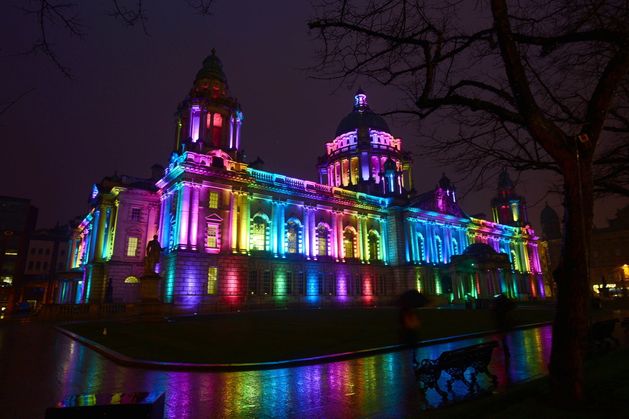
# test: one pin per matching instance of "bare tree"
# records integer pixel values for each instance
(532, 84)
(65, 14)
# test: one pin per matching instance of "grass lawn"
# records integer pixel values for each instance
(607, 396)
(267, 336)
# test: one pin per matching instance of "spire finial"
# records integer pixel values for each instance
(360, 100)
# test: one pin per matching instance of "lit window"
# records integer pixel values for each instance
(11, 252)
(266, 282)
(131, 280)
(218, 120)
(292, 237)
(322, 241)
(258, 234)
(7, 279)
(212, 236)
(212, 277)
(374, 246)
(348, 244)
(132, 246)
(213, 200)
(136, 214)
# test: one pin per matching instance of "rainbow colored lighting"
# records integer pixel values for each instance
(358, 234)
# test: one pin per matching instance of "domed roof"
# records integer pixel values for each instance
(504, 181)
(549, 215)
(361, 117)
(444, 182)
(212, 69)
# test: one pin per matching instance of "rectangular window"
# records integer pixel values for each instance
(289, 283)
(330, 285)
(212, 236)
(213, 200)
(301, 283)
(136, 214)
(30, 265)
(252, 286)
(212, 278)
(266, 282)
(132, 246)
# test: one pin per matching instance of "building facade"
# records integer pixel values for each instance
(17, 222)
(234, 234)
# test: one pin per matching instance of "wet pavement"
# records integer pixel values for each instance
(40, 366)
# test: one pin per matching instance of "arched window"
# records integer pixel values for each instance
(439, 249)
(455, 247)
(374, 245)
(421, 247)
(293, 233)
(323, 237)
(259, 232)
(131, 280)
(349, 243)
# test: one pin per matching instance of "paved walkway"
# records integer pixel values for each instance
(40, 366)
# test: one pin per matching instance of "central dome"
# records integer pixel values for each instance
(361, 117)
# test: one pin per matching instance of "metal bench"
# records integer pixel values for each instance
(601, 333)
(456, 363)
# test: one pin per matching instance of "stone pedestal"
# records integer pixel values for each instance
(149, 288)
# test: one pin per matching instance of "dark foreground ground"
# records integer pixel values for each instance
(607, 395)
(268, 336)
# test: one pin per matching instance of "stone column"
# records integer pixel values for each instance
(100, 233)
(367, 251)
(383, 239)
(233, 220)
(274, 227)
(306, 232)
(339, 234)
(244, 223)
(184, 214)
(312, 212)
(360, 238)
(334, 238)
(194, 217)
(282, 228)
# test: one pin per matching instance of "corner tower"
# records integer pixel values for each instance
(364, 156)
(507, 207)
(209, 118)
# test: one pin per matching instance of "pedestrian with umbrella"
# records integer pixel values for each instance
(502, 307)
(408, 319)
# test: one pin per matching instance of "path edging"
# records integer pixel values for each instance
(191, 366)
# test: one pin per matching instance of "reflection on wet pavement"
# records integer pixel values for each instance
(41, 366)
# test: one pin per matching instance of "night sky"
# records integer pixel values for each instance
(116, 114)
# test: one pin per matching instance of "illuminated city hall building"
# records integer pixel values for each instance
(234, 234)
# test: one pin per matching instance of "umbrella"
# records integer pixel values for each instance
(412, 298)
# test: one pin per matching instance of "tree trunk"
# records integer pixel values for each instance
(573, 288)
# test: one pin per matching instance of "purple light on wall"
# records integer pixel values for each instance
(195, 117)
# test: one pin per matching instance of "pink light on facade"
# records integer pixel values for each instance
(195, 122)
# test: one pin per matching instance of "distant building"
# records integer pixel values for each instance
(609, 254)
(46, 259)
(234, 234)
(17, 222)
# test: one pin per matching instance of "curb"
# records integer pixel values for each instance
(127, 361)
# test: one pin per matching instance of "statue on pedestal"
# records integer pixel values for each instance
(153, 252)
